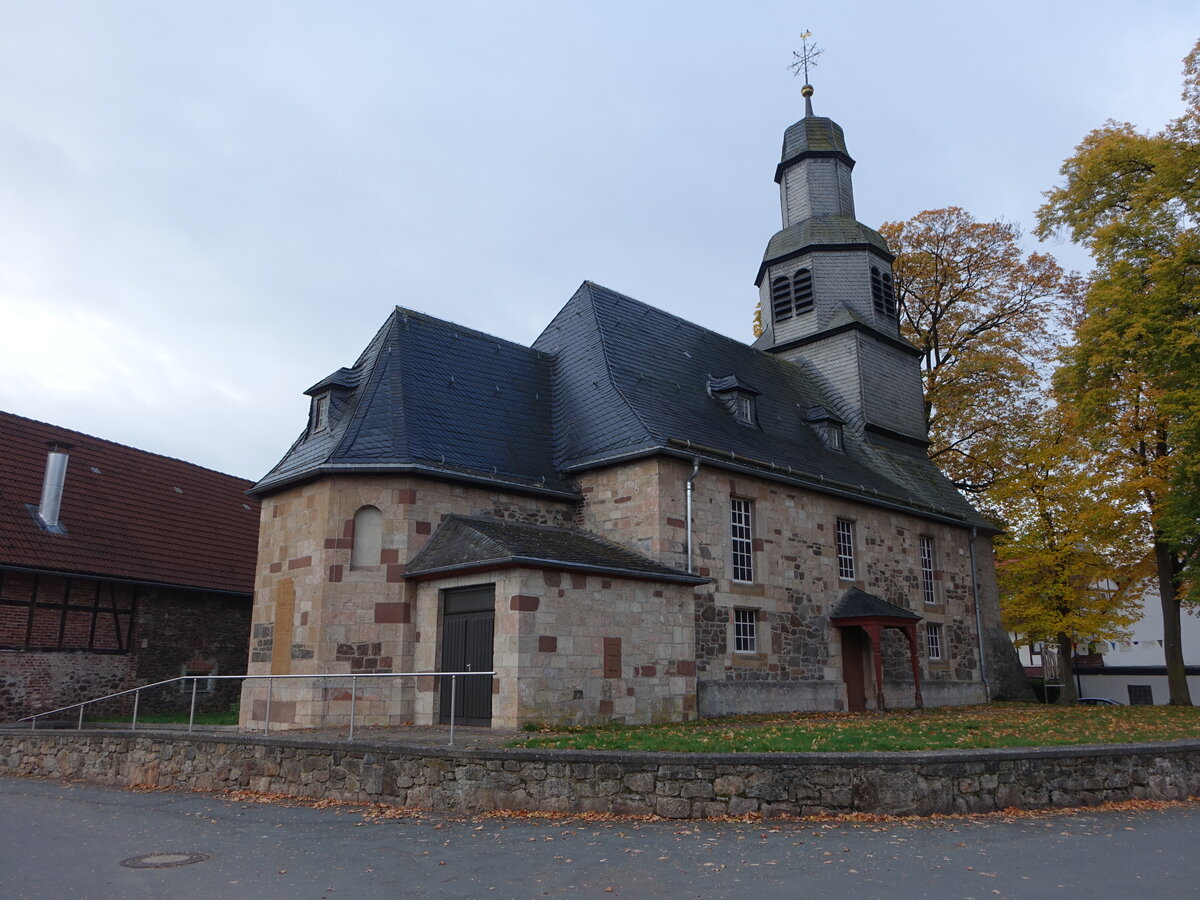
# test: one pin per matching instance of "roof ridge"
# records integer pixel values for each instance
(723, 337)
(775, 359)
(163, 456)
(493, 338)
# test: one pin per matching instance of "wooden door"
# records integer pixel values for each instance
(854, 644)
(468, 623)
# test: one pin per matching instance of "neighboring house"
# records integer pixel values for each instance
(1134, 670)
(636, 519)
(117, 568)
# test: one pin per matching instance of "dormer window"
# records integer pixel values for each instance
(744, 408)
(320, 412)
(791, 296)
(833, 436)
(737, 396)
(828, 426)
(882, 293)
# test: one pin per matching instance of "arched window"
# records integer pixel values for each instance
(791, 296)
(368, 537)
(781, 299)
(882, 293)
(802, 291)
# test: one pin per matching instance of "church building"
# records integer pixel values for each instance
(635, 519)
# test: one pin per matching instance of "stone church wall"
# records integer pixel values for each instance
(574, 648)
(315, 612)
(795, 586)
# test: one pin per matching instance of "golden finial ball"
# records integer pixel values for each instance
(806, 91)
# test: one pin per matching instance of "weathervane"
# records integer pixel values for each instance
(800, 63)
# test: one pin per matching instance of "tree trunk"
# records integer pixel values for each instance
(1168, 595)
(1069, 695)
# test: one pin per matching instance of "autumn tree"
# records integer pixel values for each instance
(982, 313)
(1068, 567)
(1133, 369)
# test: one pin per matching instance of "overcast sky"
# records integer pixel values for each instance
(207, 207)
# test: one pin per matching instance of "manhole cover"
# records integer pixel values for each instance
(163, 860)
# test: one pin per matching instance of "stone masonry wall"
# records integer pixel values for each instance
(34, 682)
(587, 649)
(176, 631)
(670, 785)
(182, 632)
(796, 585)
(324, 610)
(573, 648)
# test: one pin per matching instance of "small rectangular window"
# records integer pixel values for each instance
(745, 408)
(927, 588)
(320, 414)
(742, 540)
(845, 549)
(203, 685)
(745, 630)
(933, 640)
(833, 434)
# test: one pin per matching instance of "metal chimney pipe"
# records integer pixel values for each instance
(52, 486)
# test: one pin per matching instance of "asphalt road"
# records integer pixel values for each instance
(69, 840)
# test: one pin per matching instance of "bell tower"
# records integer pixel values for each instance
(825, 284)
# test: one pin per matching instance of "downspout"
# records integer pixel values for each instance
(688, 527)
(978, 615)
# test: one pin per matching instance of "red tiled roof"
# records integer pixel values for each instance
(127, 513)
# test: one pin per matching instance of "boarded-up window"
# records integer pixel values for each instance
(368, 537)
(285, 613)
(612, 657)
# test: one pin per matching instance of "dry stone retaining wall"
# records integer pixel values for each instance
(669, 785)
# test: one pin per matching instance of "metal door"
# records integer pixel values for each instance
(468, 621)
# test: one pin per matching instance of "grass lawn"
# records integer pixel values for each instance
(227, 717)
(998, 725)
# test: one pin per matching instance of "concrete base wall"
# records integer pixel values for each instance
(672, 785)
(936, 693)
(731, 698)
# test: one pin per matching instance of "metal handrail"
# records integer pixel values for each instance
(270, 679)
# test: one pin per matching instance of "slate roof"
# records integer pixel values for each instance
(431, 396)
(127, 513)
(811, 133)
(610, 378)
(464, 542)
(631, 379)
(821, 231)
(855, 604)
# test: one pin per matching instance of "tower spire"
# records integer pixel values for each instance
(800, 62)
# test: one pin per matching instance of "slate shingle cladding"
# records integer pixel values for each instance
(432, 396)
(464, 543)
(609, 379)
(856, 604)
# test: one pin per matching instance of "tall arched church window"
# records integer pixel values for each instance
(368, 537)
(883, 293)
